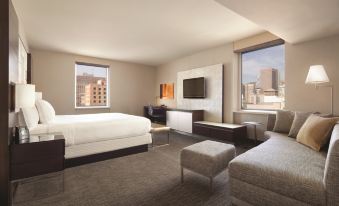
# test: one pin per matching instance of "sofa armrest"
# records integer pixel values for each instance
(331, 173)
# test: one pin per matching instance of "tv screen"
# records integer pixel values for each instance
(194, 88)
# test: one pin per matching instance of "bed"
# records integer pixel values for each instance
(93, 137)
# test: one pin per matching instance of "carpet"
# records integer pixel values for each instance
(150, 178)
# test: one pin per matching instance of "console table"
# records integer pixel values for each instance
(182, 119)
(229, 132)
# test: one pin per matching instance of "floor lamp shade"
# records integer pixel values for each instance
(317, 75)
(24, 95)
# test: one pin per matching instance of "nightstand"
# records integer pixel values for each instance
(40, 154)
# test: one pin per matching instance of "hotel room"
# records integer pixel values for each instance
(185, 102)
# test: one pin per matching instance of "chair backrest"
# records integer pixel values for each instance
(150, 110)
(331, 173)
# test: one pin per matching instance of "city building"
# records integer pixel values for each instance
(82, 82)
(95, 94)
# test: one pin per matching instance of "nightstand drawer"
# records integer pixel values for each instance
(39, 167)
(25, 153)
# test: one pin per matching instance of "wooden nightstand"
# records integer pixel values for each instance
(37, 155)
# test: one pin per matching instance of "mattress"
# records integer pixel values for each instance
(87, 128)
(80, 150)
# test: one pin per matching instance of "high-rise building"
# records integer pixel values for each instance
(268, 79)
(82, 81)
(249, 93)
(96, 94)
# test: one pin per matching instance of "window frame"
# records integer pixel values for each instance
(107, 67)
(252, 49)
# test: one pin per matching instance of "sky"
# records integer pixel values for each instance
(253, 62)
(96, 71)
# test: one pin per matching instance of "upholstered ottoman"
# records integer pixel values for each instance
(207, 158)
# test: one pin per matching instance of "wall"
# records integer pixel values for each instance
(299, 96)
(299, 57)
(131, 85)
(167, 73)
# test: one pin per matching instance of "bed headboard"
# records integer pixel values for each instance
(38, 96)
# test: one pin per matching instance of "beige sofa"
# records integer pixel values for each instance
(281, 171)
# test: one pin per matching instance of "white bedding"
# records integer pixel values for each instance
(86, 128)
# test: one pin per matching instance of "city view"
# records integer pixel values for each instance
(263, 79)
(91, 86)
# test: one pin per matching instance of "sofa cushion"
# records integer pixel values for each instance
(298, 121)
(285, 167)
(315, 132)
(283, 121)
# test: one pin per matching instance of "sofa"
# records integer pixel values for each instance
(282, 171)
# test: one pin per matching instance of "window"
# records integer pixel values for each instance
(89, 79)
(263, 78)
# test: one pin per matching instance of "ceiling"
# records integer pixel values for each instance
(294, 21)
(150, 32)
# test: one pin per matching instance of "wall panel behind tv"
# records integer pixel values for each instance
(212, 104)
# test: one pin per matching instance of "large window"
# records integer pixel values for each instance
(263, 78)
(91, 86)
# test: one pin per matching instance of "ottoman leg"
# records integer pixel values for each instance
(182, 175)
(168, 137)
(211, 183)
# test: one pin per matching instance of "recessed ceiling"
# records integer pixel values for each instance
(294, 21)
(150, 32)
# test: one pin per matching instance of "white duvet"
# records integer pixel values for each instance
(86, 128)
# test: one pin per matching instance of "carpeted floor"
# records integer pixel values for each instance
(150, 178)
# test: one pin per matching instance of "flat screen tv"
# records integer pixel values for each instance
(194, 88)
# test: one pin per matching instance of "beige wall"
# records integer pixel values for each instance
(167, 73)
(299, 57)
(131, 85)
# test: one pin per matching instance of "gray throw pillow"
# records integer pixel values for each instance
(298, 121)
(283, 121)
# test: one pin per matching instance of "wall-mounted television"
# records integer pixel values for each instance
(194, 88)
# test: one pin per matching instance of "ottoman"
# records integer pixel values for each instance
(207, 158)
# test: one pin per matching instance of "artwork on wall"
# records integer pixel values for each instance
(167, 91)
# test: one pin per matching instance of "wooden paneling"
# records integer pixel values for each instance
(8, 73)
(29, 68)
(4, 156)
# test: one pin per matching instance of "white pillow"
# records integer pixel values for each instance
(46, 111)
(31, 116)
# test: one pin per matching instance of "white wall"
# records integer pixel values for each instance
(212, 103)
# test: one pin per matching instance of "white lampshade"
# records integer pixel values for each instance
(24, 95)
(317, 75)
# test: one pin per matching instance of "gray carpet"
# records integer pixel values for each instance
(150, 178)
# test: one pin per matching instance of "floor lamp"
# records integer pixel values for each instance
(317, 75)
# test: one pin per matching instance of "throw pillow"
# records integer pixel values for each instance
(315, 131)
(298, 121)
(46, 111)
(31, 116)
(283, 121)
